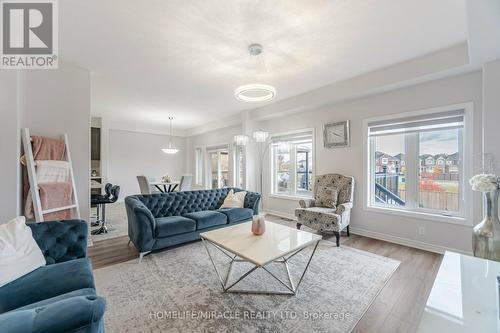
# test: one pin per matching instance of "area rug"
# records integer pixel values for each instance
(178, 291)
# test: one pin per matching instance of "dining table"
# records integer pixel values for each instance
(165, 187)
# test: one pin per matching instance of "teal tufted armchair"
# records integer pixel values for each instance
(332, 214)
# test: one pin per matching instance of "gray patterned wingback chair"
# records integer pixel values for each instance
(330, 210)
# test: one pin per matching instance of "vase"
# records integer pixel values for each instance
(486, 235)
(258, 225)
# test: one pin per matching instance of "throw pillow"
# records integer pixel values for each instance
(326, 196)
(234, 200)
(19, 252)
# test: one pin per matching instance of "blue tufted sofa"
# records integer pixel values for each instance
(59, 297)
(156, 221)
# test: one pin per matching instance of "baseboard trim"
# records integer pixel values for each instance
(280, 214)
(385, 237)
(405, 241)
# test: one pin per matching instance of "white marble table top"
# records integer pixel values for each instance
(276, 242)
(464, 297)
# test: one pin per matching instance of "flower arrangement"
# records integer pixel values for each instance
(166, 178)
(485, 182)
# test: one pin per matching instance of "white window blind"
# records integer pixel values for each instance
(439, 121)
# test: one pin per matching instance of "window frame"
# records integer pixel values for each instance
(293, 194)
(218, 149)
(463, 217)
(198, 165)
(239, 166)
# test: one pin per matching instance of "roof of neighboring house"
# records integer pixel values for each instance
(380, 154)
(454, 156)
(400, 156)
(426, 156)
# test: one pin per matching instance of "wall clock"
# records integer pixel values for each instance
(336, 135)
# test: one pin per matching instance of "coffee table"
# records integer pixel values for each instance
(278, 244)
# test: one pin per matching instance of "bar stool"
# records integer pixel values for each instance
(95, 200)
(102, 202)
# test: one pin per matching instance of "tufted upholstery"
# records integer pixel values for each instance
(326, 219)
(145, 212)
(181, 203)
(58, 297)
(61, 240)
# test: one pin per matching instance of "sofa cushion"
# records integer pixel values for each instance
(79, 292)
(19, 252)
(46, 282)
(78, 314)
(173, 225)
(237, 214)
(207, 218)
(234, 200)
(326, 196)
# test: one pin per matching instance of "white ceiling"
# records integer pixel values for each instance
(156, 58)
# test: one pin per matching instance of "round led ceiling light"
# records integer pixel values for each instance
(255, 93)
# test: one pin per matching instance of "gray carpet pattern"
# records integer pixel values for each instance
(178, 291)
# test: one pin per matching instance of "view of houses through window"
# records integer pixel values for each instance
(418, 167)
(293, 166)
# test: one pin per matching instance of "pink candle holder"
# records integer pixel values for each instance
(258, 225)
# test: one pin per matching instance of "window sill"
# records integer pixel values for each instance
(290, 197)
(419, 215)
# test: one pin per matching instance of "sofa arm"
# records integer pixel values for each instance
(344, 207)
(306, 203)
(252, 200)
(61, 240)
(75, 314)
(141, 224)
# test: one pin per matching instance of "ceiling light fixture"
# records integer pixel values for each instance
(171, 148)
(260, 136)
(255, 92)
(241, 139)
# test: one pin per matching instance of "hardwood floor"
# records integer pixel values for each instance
(398, 307)
(111, 251)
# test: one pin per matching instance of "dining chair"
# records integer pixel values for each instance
(185, 183)
(144, 185)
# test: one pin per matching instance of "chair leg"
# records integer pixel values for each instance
(299, 225)
(98, 217)
(103, 229)
(337, 237)
(348, 234)
(104, 215)
(142, 254)
(129, 241)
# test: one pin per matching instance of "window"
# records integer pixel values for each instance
(239, 169)
(292, 157)
(218, 167)
(199, 166)
(416, 163)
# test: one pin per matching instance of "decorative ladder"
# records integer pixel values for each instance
(35, 193)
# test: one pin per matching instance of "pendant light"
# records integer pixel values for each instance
(255, 92)
(171, 148)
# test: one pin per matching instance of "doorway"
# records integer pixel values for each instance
(218, 167)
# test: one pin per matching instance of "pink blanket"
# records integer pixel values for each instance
(52, 195)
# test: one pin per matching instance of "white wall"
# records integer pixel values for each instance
(133, 153)
(9, 146)
(349, 161)
(491, 117)
(483, 25)
(54, 102)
